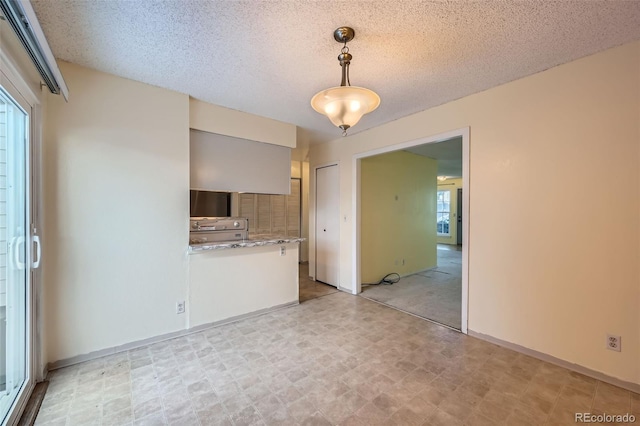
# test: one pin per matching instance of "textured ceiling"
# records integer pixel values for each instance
(270, 57)
(448, 154)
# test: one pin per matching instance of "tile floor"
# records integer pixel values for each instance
(310, 289)
(435, 294)
(337, 359)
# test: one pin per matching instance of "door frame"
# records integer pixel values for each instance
(312, 219)
(356, 183)
(459, 214)
(17, 406)
(13, 80)
(299, 216)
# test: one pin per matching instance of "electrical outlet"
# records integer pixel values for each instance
(180, 307)
(613, 343)
(283, 250)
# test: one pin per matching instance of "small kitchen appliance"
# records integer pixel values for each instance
(216, 229)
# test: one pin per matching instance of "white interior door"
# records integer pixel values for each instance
(327, 225)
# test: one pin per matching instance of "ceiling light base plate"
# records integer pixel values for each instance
(344, 34)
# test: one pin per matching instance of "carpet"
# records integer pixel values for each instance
(435, 294)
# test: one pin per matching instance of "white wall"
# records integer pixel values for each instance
(552, 267)
(116, 179)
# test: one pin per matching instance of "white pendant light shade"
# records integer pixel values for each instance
(345, 105)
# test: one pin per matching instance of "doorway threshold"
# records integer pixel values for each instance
(410, 313)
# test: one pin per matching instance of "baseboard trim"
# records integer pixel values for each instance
(161, 338)
(237, 318)
(346, 290)
(633, 387)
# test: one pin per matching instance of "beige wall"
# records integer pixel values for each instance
(116, 180)
(533, 280)
(398, 202)
(116, 172)
(223, 286)
(451, 185)
(224, 121)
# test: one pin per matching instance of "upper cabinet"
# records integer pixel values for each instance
(238, 152)
(224, 163)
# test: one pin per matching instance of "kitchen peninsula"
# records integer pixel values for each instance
(244, 269)
(229, 280)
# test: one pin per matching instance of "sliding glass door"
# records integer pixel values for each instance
(15, 262)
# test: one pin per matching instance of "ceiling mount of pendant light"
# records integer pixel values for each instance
(345, 104)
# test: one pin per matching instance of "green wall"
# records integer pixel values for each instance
(398, 198)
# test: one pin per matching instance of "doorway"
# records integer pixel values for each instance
(437, 274)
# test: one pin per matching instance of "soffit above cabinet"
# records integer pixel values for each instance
(224, 121)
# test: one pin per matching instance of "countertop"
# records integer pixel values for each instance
(252, 241)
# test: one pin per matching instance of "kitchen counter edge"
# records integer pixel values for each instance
(258, 241)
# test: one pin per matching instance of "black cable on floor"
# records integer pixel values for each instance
(388, 279)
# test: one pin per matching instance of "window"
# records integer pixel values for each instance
(443, 213)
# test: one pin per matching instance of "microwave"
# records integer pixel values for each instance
(210, 203)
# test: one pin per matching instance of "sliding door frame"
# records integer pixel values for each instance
(13, 82)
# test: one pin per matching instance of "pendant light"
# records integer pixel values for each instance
(346, 104)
